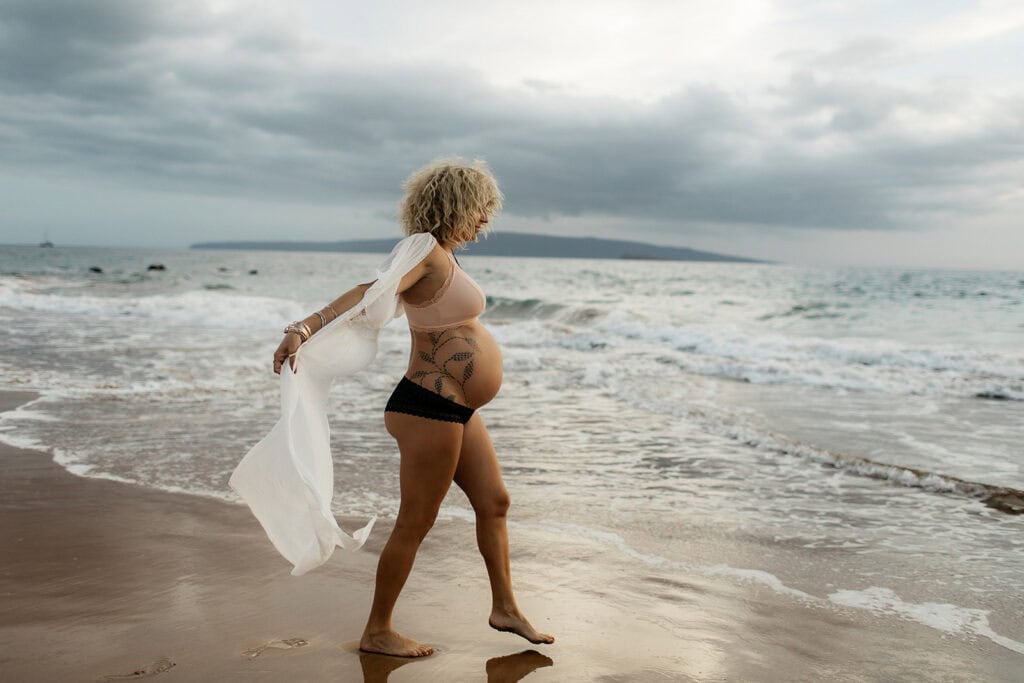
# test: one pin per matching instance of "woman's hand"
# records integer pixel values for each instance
(286, 349)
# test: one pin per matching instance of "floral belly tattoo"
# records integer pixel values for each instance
(450, 364)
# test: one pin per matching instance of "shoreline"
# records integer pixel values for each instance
(106, 578)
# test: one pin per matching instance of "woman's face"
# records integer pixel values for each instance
(481, 222)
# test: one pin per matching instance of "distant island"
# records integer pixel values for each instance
(508, 244)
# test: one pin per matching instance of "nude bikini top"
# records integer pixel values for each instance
(458, 301)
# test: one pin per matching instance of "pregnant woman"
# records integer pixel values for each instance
(454, 369)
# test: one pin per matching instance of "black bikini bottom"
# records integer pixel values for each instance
(412, 399)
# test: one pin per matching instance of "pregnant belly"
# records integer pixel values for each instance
(460, 363)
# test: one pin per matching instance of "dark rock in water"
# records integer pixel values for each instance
(253, 271)
(992, 395)
(95, 269)
(1009, 501)
(156, 266)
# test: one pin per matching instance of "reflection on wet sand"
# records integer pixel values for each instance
(511, 668)
(506, 669)
(377, 668)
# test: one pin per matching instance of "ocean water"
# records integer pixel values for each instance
(847, 437)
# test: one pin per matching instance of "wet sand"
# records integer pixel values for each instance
(103, 580)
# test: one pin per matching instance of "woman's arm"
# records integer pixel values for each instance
(312, 324)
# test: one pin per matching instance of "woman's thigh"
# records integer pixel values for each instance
(478, 473)
(429, 457)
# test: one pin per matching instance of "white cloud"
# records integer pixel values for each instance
(980, 21)
(638, 50)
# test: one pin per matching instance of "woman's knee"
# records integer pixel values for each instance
(495, 505)
(415, 524)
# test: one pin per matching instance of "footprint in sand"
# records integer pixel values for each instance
(157, 667)
(283, 644)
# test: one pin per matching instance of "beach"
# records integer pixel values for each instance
(742, 472)
(103, 579)
(734, 290)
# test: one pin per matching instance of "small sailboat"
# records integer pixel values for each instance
(46, 243)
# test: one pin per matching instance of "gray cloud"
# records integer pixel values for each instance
(171, 97)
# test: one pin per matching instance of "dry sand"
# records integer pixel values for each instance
(103, 580)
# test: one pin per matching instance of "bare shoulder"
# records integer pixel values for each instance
(425, 242)
(436, 260)
(434, 266)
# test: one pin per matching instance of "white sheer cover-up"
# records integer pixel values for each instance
(287, 479)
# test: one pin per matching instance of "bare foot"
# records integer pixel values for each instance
(393, 643)
(517, 623)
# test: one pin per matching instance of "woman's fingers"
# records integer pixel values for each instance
(283, 352)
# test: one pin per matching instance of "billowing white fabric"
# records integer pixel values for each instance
(287, 479)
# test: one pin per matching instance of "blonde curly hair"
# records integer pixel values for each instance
(447, 198)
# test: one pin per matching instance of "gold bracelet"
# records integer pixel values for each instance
(300, 328)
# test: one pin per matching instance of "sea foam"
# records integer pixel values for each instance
(944, 617)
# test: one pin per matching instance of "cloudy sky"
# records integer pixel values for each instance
(830, 132)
